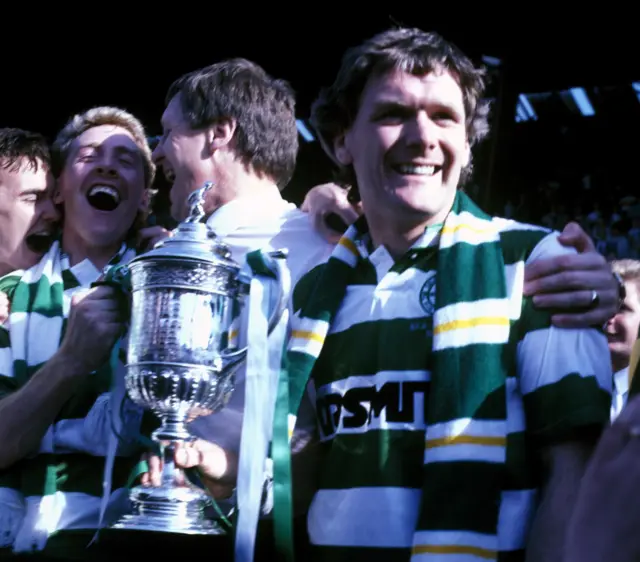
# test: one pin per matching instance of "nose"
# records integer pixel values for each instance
(50, 211)
(157, 155)
(422, 131)
(107, 165)
(610, 325)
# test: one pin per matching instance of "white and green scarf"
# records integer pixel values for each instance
(40, 299)
(470, 332)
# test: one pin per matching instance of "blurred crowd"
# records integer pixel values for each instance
(610, 214)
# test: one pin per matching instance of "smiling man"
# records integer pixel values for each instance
(28, 218)
(468, 428)
(55, 376)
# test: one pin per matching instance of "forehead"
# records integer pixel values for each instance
(173, 112)
(26, 178)
(438, 86)
(632, 286)
(107, 136)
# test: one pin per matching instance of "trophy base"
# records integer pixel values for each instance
(169, 509)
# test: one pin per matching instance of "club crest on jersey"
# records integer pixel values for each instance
(428, 295)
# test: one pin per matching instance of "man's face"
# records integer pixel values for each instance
(185, 158)
(28, 217)
(102, 185)
(408, 145)
(622, 329)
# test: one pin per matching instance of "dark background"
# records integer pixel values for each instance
(56, 65)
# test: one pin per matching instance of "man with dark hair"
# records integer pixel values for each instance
(206, 132)
(249, 119)
(467, 429)
(28, 218)
(233, 124)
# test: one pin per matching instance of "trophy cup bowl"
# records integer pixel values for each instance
(188, 298)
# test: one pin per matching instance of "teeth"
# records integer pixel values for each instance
(108, 190)
(416, 170)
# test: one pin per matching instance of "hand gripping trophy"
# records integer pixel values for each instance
(188, 297)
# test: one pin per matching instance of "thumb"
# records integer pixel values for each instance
(573, 235)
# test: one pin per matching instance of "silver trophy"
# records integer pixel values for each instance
(188, 297)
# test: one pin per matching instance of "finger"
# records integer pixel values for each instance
(151, 235)
(188, 456)
(102, 293)
(155, 470)
(329, 234)
(566, 281)
(321, 227)
(578, 320)
(213, 459)
(150, 231)
(579, 299)
(345, 211)
(566, 262)
(573, 235)
(179, 478)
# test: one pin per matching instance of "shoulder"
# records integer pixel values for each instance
(305, 286)
(528, 242)
(306, 247)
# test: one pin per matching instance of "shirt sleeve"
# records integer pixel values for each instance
(565, 375)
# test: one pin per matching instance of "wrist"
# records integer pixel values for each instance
(68, 364)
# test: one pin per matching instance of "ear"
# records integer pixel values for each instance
(145, 200)
(57, 195)
(220, 134)
(467, 156)
(341, 150)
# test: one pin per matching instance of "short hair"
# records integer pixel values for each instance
(408, 50)
(20, 148)
(95, 117)
(263, 108)
(628, 269)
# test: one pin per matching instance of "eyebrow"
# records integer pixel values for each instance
(120, 149)
(34, 191)
(394, 103)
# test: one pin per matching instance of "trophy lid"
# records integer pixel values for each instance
(192, 239)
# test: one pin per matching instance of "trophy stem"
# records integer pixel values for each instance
(173, 428)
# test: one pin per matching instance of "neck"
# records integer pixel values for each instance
(251, 186)
(398, 236)
(243, 186)
(398, 231)
(619, 363)
(4, 269)
(79, 250)
(396, 241)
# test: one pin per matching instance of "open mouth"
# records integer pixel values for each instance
(417, 170)
(103, 198)
(39, 242)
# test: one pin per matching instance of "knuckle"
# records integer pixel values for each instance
(565, 261)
